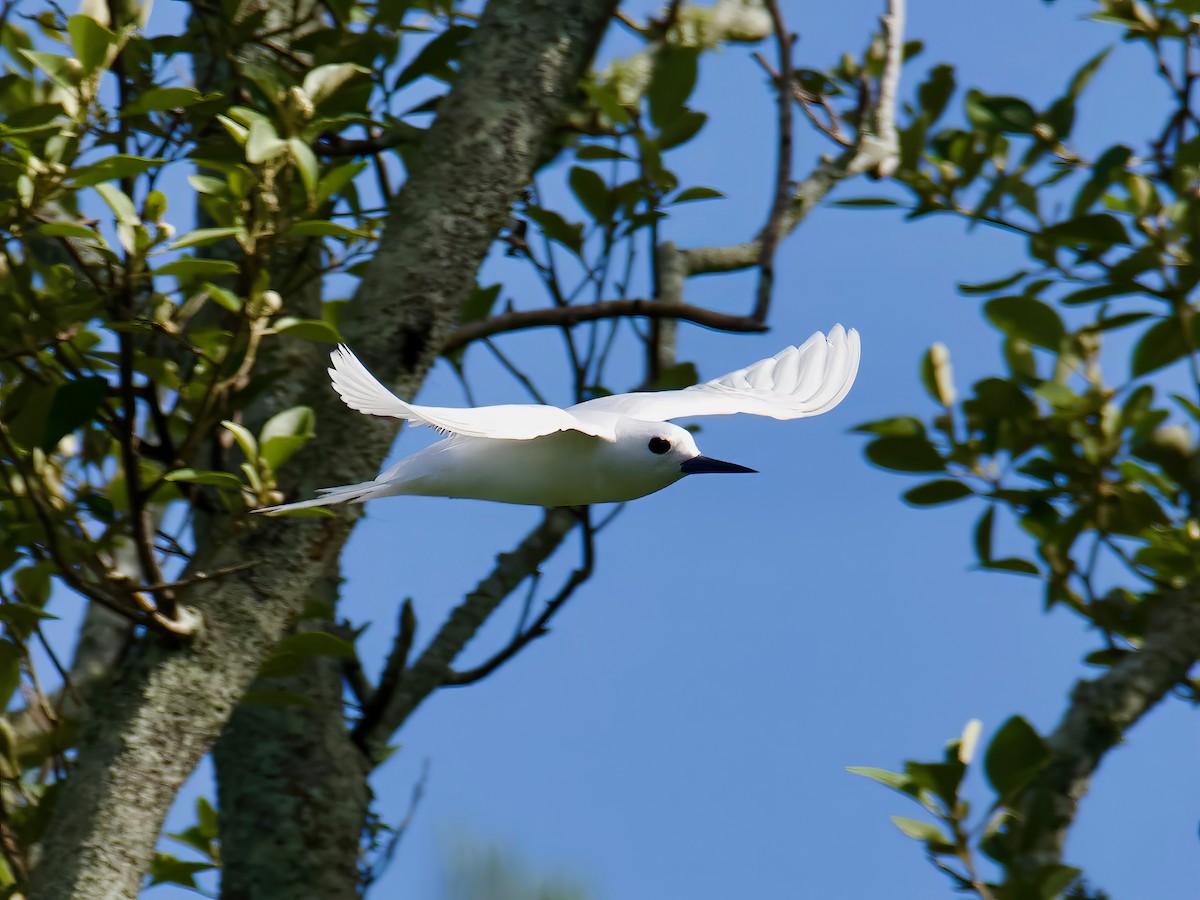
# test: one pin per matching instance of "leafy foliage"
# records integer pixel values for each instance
(1089, 457)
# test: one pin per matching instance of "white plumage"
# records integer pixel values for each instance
(605, 450)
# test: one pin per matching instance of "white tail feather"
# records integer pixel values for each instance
(347, 493)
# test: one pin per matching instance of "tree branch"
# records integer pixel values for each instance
(566, 316)
(1099, 715)
(539, 628)
(405, 694)
(770, 235)
(876, 150)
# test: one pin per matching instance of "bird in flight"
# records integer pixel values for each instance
(605, 450)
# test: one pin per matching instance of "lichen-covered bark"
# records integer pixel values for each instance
(292, 789)
(1099, 715)
(168, 704)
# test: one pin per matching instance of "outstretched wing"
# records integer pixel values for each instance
(797, 382)
(361, 390)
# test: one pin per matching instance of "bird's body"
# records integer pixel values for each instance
(606, 450)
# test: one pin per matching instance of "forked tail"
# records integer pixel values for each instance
(347, 493)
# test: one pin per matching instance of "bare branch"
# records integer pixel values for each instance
(398, 699)
(874, 151)
(566, 316)
(539, 628)
(771, 232)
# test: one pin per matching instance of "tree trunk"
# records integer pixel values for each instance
(169, 703)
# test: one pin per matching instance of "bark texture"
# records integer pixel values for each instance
(169, 702)
(1100, 713)
(292, 789)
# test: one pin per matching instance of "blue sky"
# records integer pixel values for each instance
(684, 730)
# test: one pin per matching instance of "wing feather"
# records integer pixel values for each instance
(795, 383)
(362, 391)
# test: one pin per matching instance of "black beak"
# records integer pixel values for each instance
(702, 465)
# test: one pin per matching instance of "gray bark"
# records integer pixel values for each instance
(1100, 713)
(292, 789)
(168, 704)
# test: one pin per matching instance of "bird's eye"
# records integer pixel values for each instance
(659, 445)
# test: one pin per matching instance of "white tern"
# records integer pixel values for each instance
(605, 450)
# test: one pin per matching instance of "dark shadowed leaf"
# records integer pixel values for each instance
(932, 493)
(74, 405)
(1096, 230)
(905, 454)
(1028, 319)
(1016, 754)
(696, 193)
(1006, 115)
(674, 78)
(592, 193)
(1162, 344)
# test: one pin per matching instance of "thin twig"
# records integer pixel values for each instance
(567, 316)
(539, 627)
(769, 238)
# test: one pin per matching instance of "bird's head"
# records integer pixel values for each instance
(668, 450)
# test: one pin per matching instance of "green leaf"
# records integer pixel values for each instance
(1028, 319)
(681, 129)
(262, 143)
(163, 98)
(1095, 230)
(74, 405)
(307, 329)
(479, 304)
(556, 228)
(674, 78)
(306, 164)
(922, 831)
(63, 70)
(990, 287)
(119, 203)
(592, 193)
(90, 41)
(322, 82)
(323, 228)
(10, 664)
(435, 57)
(905, 454)
(1016, 754)
(883, 776)
(897, 425)
(696, 193)
(191, 266)
(1092, 294)
(113, 168)
(932, 493)
(166, 869)
(983, 535)
(599, 151)
(244, 439)
(70, 230)
(1012, 564)
(315, 643)
(866, 201)
(1003, 115)
(223, 480)
(1083, 76)
(202, 236)
(285, 433)
(1160, 345)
